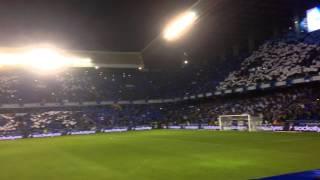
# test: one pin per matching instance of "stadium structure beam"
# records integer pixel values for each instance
(113, 59)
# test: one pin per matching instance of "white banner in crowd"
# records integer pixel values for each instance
(211, 127)
(82, 132)
(46, 135)
(174, 127)
(115, 130)
(271, 128)
(142, 128)
(191, 127)
(10, 137)
(239, 128)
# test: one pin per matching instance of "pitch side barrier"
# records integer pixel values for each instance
(10, 137)
(70, 133)
(176, 127)
(307, 128)
(209, 127)
(241, 128)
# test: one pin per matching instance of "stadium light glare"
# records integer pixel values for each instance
(45, 59)
(179, 25)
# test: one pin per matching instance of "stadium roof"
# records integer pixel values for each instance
(112, 59)
(130, 26)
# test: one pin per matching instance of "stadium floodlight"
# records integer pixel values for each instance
(179, 25)
(45, 59)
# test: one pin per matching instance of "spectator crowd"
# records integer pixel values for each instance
(277, 60)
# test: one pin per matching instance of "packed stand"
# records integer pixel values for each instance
(299, 104)
(89, 84)
(294, 56)
(294, 104)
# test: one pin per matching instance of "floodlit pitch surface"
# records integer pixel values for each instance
(160, 154)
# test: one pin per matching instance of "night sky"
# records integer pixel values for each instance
(130, 25)
(116, 25)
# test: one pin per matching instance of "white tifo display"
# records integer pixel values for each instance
(242, 122)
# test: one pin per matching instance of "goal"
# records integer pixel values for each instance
(239, 122)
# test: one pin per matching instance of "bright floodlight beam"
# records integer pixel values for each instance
(51, 59)
(180, 25)
(43, 59)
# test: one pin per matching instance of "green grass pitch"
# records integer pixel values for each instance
(160, 154)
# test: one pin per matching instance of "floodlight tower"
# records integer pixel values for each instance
(180, 25)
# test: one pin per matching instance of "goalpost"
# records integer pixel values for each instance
(239, 122)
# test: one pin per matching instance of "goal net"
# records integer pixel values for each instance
(243, 122)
